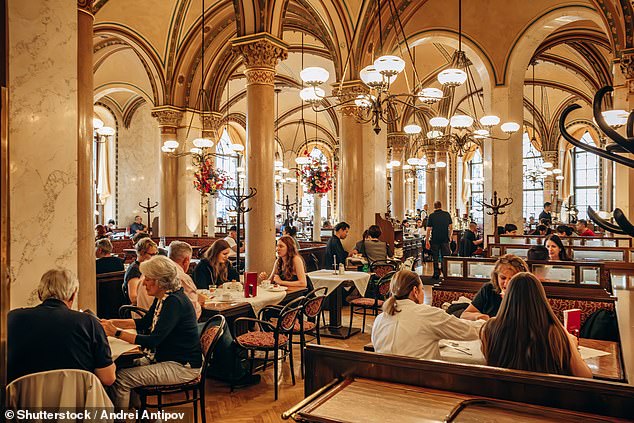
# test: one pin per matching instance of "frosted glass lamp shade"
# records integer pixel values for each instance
(559, 178)
(547, 165)
(106, 130)
(203, 143)
(452, 77)
(557, 171)
(237, 147)
(278, 164)
(461, 121)
(407, 167)
(312, 94)
(171, 144)
(96, 123)
(195, 150)
(510, 127)
(412, 129)
(395, 163)
(441, 164)
(434, 134)
(314, 75)
(302, 160)
(413, 161)
(438, 122)
(489, 120)
(615, 118)
(389, 65)
(371, 77)
(430, 95)
(480, 133)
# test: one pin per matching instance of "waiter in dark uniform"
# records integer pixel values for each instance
(439, 229)
(545, 214)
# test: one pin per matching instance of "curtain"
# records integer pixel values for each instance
(103, 173)
(466, 188)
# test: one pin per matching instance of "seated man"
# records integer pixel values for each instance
(174, 349)
(106, 262)
(51, 336)
(137, 226)
(372, 247)
(470, 241)
(334, 248)
(231, 239)
(583, 229)
(510, 229)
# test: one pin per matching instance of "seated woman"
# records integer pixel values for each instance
(289, 269)
(563, 230)
(556, 249)
(409, 327)
(145, 249)
(487, 301)
(372, 247)
(526, 334)
(175, 356)
(215, 267)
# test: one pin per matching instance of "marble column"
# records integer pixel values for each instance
(43, 134)
(317, 217)
(430, 180)
(624, 99)
(550, 183)
(212, 129)
(169, 119)
(351, 186)
(86, 272)
(260, 54)
(397, 141)
(442, 180)
(374, 175)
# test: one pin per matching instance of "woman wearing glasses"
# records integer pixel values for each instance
(487, 301)
(145, 250)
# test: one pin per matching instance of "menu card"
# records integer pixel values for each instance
(572, 321)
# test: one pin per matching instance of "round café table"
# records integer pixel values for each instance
(327, 278)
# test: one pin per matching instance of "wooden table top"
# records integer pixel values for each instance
(364, 400)
(606, 367)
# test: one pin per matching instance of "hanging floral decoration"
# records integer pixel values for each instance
(207, 179)
(317, 176)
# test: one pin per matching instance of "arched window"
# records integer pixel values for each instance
(586, 177)
(533, 185)
(228, 165)
(476, 175)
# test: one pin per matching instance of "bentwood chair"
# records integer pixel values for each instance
(131, 312)
(211, 333)
(382, 267)
(379, 289)
(312, 308)
(271, 336)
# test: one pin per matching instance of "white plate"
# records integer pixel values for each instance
(278, 289)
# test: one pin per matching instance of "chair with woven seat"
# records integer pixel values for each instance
(312, 309)
(211, 333)
(382, 267)
(379, 289)
(271, 336)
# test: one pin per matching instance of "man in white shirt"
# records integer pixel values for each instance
(231, 239)
(409, 327)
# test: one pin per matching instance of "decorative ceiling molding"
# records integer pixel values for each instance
(130, 109)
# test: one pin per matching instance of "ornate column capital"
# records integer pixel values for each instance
(626, 64)
(85, 6)
(212, 124)
(551, 156)
(168, 118)
(260, 54)
(348, 91)
(397, 141)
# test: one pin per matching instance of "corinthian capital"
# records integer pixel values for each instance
(397, 141)
(348, 91)
(167, 116)
(260, 50)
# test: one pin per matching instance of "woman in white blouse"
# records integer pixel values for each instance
(409, 327)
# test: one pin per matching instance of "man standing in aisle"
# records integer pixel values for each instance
(545, 214)
(439, 229)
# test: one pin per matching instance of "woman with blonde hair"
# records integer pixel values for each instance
(409, 327)
(487, 301)
(289, 269)
(215, 267)
(526, 334)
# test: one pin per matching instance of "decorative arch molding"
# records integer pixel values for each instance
(131, 108)
(571, 66)
(329, 150)
(620, 21)
(567, 35)
(574, 126)
(118, 86)
(331, 113)
(332, 140)
(563, 87)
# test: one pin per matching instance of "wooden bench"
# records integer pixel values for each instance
(589, 241)
(110, 294)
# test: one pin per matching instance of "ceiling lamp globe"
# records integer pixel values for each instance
(480, 133)
(452, 77)
(96, 123)
(278, 164)
(441, 164)
(413, 161)
(434, 134)
(407, 167)
(196, 150)
(172, 144)
(438, 122)
(277, 177)
(549, 173)
(510, 127)
(547, 165)
(106, 131)
(371, 77)
(314, 76)
(312, 94)
(389, 66)
(559, 177)
(237, 147)
(302, 160)
(363, 101)
(412, 129)
(615, 118)
(395, 163)
(430, 95)
(461, 121)
(166, 149)
(284, 170)
(489, 120)
(557, 171)
(202, 143)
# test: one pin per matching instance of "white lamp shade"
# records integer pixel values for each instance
(430, 95)
(284, 170)
(395, 163)
(407, 167)
(314, 75)
(452, 77)
(278, 163)
(389, 65)
(237, 147)
(166, 149)
(363, 101)
(195, 150)
(559, 178)
(240, 169)
(412, 129)
(438, 122)
(312, 94)
(615, 118)
(302, 160)
(547, 165)
(480, 133)
(441, 164)
(434, 134)
(556, 171)
(171, 144)
(410, 180)
(461, 121)
(549, 173)
(106, 130)
(371, 77)
(293, 180)
(277, 177)
(203, 143)
(489, 120)
(413, 161)
(96, 123)
(510, 127)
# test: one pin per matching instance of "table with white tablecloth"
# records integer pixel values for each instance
(262, 299)
(327, 278)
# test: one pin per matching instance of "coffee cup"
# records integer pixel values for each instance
(226, 296)
(266, 283)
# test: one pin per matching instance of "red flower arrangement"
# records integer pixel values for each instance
(209, 180)
(317, 177)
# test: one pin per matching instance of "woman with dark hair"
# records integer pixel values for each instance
(526, 334)
(409, 327)
(563, 230)
(289, 269)
(215, 268)
(556, 249)
(487, 301)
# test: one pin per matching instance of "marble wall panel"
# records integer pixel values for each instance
(42, 142)
(139, 155)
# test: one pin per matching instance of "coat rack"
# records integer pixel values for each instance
(289, 209)
(496, 205)
(148, 210)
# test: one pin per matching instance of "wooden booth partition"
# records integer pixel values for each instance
(327, 364)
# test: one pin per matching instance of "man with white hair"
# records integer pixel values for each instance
(180, 253)
(106, 262)
(51, 336)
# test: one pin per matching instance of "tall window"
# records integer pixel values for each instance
(307, 199)
(476, 175)
(586, 178)
(533, 187)
(228, 164)
(421, 198)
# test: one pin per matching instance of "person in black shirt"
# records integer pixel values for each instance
(106, 262)
(545, 214)
(334, 248)
(51, 336)
(470, 241)
(439, 228)
(215, 268)
(137, 226)
(174, 355)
